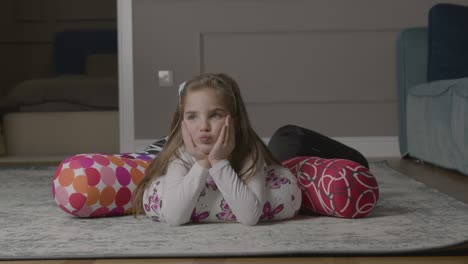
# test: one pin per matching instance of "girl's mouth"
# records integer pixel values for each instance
(204, 139)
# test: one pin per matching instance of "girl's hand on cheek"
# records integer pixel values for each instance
(225, 143)
(190, 145)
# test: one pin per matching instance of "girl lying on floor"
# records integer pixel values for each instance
(213, 167)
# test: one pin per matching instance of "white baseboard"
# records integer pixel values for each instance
(370, 147)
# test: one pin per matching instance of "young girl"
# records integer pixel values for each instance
(214, 167)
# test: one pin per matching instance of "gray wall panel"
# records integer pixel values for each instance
(332, 119)
(305, 66)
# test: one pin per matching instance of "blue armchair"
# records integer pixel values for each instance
(433, 115)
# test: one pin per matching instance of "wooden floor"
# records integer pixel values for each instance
(446, 181)
(307, 260)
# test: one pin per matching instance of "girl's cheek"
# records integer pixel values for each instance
(190, 128)
(219, 124)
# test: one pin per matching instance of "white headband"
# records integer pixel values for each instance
(181, 88)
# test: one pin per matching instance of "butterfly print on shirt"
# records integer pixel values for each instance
(269, 213)
(197, 217)
(274, 181)
(226, 214)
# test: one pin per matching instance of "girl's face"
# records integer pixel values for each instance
(204, 115)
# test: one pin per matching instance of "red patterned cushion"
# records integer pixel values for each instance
(334, 187)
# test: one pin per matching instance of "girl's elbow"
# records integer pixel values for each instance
(174, 219)
(250, 221)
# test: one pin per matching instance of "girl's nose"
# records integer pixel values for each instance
(205, 126)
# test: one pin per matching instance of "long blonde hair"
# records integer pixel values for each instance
(248, 144)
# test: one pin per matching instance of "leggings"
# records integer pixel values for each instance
(97, 185)
(291, 141)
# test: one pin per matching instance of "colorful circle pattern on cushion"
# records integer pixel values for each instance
(96, 185)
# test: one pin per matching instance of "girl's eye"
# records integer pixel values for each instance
(190, 117)
(216, 115)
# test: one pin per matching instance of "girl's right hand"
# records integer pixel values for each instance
(190, 145)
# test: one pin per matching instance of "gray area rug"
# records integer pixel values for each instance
(410, 217)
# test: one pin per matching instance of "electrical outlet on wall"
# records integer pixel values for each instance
(166, 78)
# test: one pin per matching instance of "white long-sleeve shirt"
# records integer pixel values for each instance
(189, 192)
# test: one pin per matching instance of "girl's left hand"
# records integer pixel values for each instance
(225, 143)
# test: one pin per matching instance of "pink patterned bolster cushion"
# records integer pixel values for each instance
(95, 185)
(334, 187)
